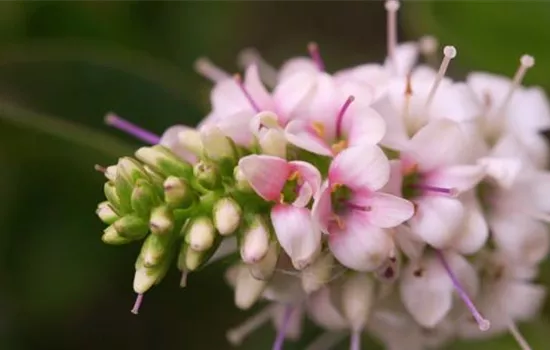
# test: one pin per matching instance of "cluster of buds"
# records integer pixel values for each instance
(383, 198)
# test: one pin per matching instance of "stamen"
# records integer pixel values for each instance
(137, 304)
(326, 341)
(313, 49)
(236, 335)
(341, 114)
(210, 71)
(183, 280)
(251, 56)
(358, 207)
(280, 339)
(453, 192)
(131, 129)
(243, 88)
(483, 323)
(392, 6)
(339, 146)
(319, 129)
(514, 331)
(449, 53)
(526, 62)
(100, 168)
(355, 341)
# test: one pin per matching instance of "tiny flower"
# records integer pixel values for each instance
(354, 214)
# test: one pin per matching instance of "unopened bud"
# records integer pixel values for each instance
(357, 299)
(191, 140)
(156, 179)
(131, 227)
(217, 146)
(154, 249)
(263, 269)
(201, 234)
(227, 216)
(110, 173)
(241, 183)
(112, 196)
(162, 221)
(247, 289)
(255, 241)
(317, 274)
(128, 172)
(193, 259)
(162, 160)
(106, 213)
(111, 236)
(177, 193)
(144, 198)
(207, 175)
(146, 277)
(273, 143)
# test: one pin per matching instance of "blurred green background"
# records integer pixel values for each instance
(63, 65)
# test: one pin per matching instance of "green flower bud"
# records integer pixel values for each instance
(144, 198)
(227, 216)
(200, 234)
(146, 277)
(113, 198)
(178, 193)
(111, 236)
(128, 172)
(110, 173)
(106, 213)
(131, 227)
(157, 180)
(217, 146)
(162, 221)
(155, 249)
(162, 160)
(207, 175)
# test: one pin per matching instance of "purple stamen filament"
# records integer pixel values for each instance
(355, 342)
(428, 188)
(483, 323)
(137, 304)
(340, 116)
(358, 207)
(280, 339)
(132, 129)
(316, 56)
(246, 93)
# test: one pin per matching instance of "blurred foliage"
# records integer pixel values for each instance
(63, 65)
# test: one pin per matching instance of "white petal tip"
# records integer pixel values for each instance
(527, 61)
(392, 5)
(449, 51)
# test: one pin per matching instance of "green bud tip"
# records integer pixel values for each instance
(137, 304)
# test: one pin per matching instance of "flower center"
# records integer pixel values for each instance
(291, 188)
(414, 186)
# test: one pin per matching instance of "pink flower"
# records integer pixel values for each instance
(354, 214)
(292, 185)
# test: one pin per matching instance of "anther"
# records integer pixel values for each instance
(100, 168)
(210, 71)
(313, 49)
(449, 53)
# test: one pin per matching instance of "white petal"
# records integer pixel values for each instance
(360, 168)
(322, 311)
(474, 231)
(503, 170)
(297, 233)
(247, 289)
(297, 65)
(292, 92)
(406, 55)
(437, 219)
(322, 207)
(357, 299)
(363, 125)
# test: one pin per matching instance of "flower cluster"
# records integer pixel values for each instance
(383, 198)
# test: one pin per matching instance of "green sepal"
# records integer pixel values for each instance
(131, 227)
(155, 248)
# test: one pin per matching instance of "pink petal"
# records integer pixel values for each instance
(324, 105)
(227, 98)
(256, 89)
(361, 91)
(359, 245)
(322, 207)
(237, 127)
(360, 168)
(266, 174)
(299, 133)
(297, 233)
(384, 210)
(297, 65)
(459, 177)
(440, 143)
(375, 75)
(474, 232)
(437, 220)
(309, 173)
(170, 139)
(363, 125)
(292, 92)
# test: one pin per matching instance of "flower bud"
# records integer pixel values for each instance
(164, 161)
(131, 227)
(146, 277)
(177, 193)
(130, 170)
(162, 221)
(112, 196)
(227, 216)
(193, 259)
(241, 183)
(357, 295)
(111, 236)
(317, 274)
(217, 146)
(273, 143)
(191, 140)
(207, 175)
(247, 289)
(200, 234)
(263, 269)
(144, 198)
(154, 249)
(110, 173)
(157, 180)
(255, 241)
(106, 213)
